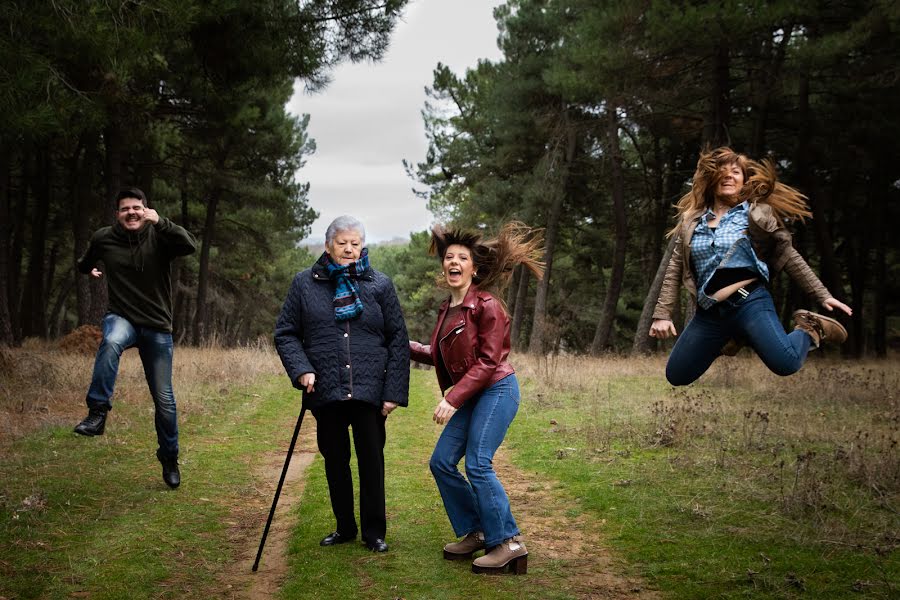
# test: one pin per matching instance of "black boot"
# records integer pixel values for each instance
(171, 475)
(93, 423)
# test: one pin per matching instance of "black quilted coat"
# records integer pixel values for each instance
(365, 358)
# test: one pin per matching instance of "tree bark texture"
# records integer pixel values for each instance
(539, 322)
(617, 276)
(201, 316)
(519, 312)
(6, 331)
(34, 298)
(717, 120)
(643, 343)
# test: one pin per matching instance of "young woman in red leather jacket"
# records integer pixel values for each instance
(469, 349)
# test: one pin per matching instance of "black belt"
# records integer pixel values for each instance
(742, 292)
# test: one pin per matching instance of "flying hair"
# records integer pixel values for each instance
(760, 185)
(495, 258)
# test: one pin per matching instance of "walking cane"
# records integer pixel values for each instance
(287, 462)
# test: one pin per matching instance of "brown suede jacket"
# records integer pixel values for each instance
(771, 242)
(474, 355)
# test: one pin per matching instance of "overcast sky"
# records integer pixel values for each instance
(369, 118)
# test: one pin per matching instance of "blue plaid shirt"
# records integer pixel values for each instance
(724, 246)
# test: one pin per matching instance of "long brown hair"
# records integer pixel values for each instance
(760, 185)
(494, 259)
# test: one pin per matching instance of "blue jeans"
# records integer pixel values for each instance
(476, 430)
(155, 348)
(753, 320)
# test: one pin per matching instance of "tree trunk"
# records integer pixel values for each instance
(84, 207)
(879, 192)
(512, 289)
(6, 331)
(715, 130)
(112, 180)
(881, 276)
(661, 207)
(614, 289)
(643, 343)
(112, 138)
(539, 325)
(81, 166)
(201, 316)
(773, 52)
(34, 299)
(19, 220)
(50, 274)
(519, 312)
(859, 251)
(825, 245)
(56, 313)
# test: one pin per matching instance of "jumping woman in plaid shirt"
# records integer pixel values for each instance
(731, 241)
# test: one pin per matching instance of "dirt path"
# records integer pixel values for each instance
(586, 568)
(238, 581)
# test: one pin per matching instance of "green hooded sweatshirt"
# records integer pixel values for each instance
(136, 266)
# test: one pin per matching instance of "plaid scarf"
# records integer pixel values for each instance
(346, 291)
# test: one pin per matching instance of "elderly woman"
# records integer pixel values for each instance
(343, 342)
(469, 349)
(731, 241)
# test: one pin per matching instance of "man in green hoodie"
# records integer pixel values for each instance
(136, 253)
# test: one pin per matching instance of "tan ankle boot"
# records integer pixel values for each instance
(464, 548)
(509, 553)
(819, 327)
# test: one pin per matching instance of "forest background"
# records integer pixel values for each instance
(589, 127)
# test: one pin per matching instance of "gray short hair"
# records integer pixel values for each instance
(345, 223)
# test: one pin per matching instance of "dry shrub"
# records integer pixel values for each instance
(82, 340)
(692, 414)
(7, 362)
(874, 460)
(36, 386)
(806, 487)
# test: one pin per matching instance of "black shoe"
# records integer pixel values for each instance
(171, 474)
(93, 424)
(377, 545)
(336, 538)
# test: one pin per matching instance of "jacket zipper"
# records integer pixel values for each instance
(453, 331)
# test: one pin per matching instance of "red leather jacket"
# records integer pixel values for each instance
(473, 356)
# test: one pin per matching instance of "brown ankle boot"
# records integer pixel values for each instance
(466, 547)
(819, 327)
(509, 553)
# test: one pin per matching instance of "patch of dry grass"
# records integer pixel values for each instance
(821, 445)
(41, 385)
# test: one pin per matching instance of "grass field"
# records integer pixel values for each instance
(744, 485)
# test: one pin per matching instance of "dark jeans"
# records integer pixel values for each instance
(367, 423)
(155, 348)
(753, 320)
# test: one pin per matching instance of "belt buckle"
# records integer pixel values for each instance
(743, 292)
